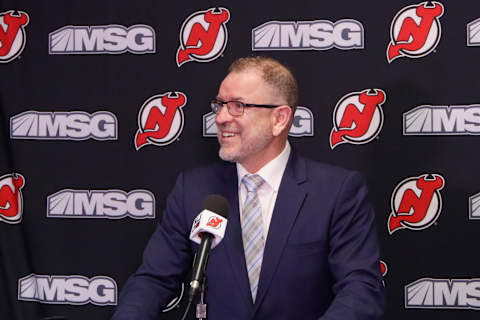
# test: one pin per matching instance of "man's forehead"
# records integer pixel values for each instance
(248, 75)
(243, 82)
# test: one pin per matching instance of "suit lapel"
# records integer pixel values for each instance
(287, 206)
(233, 235)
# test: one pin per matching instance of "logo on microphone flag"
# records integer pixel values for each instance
(214, 222)
(208, 222)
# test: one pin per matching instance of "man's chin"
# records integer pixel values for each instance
(226, 156)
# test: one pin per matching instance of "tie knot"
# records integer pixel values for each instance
(252, 182)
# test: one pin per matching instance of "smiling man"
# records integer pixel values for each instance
(300, 241)
(254, 134)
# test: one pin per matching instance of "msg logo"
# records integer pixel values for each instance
(110, 204)
(99, 290)
(74, 125)
(443, 294)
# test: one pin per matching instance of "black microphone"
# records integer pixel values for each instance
(208, 229)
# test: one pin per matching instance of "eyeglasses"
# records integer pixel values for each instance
(235, 108)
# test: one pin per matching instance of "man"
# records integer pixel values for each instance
(299, 244)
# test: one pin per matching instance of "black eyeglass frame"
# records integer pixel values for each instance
(215, 102)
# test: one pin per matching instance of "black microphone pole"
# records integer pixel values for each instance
(218, 205)
(199, 265)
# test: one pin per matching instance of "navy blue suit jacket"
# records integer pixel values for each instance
(321, 258)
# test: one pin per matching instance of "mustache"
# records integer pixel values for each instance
(229, 128)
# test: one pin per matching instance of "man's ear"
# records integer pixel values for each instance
(281, 119)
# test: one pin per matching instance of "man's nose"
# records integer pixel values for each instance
(222, 115)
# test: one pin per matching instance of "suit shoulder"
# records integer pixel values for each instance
(333, 182)
(328, 173)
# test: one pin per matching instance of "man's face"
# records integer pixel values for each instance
(244, 139)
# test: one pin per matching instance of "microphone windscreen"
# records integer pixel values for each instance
(217, 204)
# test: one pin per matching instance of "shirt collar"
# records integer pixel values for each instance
(272, 172)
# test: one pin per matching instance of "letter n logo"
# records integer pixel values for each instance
(415, 31)
(12, 34)
(203, 36)
(358, 117)
(416, 203)
(161, 119)
(11, 199)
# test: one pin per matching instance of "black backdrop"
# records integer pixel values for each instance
(45, 254)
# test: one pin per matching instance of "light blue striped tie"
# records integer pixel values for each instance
(252, 230)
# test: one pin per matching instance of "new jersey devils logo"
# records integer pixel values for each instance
(203, 36)
(384, 270)
(11, 200)
(12, 34)
(416, 203)
(358, 117)
(214, 222)
(160, 120)
(415, 31)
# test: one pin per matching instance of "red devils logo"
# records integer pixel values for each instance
(358, 117)
(214, 222)
(203, 36)
(160, 120)
(196, 223)
(12, 34)
(383, 268)
(415, 31)
(11, 200)
(416, 203)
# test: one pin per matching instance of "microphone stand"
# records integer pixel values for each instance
(202, 306)
(201, 313)
(199, 282)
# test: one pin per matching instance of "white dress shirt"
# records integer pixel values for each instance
(272, 173)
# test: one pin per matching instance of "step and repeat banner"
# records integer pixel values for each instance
(104, 103)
